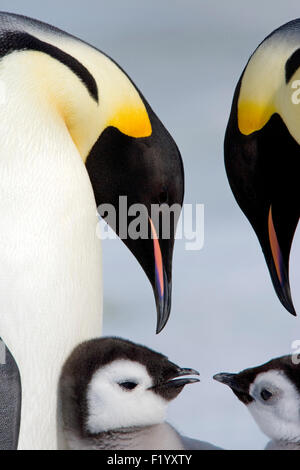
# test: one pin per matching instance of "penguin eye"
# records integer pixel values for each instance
(265, 394)
(128, 385)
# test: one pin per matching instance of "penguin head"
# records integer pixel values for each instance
(262, 149)
(271, 393)
(127, 151)
(110, 384)
(147, 175)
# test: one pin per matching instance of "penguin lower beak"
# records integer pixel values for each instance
(154, 255)
(231, 380)
(181, 382)
(162, 286)
(174, 381)
(179, 378)
(277, 257)
(163, 302)
(275, 228)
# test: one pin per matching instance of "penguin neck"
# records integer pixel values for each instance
(160, 436)
(50, 257)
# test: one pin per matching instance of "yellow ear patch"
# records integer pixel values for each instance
(132, 121)
(253, 116)
(120, 104)
(262, 84)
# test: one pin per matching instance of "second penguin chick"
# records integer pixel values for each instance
(271, 393)
(114, 395)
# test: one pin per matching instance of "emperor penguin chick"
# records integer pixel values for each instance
(114, 395)
(271, 393)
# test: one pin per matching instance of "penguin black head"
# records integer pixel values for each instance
(262, 149)
(271, 393)
(110, 383)
(126, 149)
(149, 173)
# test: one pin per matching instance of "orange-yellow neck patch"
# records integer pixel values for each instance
(253, 116)
(275, 248)
(132, 121)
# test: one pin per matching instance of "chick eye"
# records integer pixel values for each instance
(265, 394)
(128, 385)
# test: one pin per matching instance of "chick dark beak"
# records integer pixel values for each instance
(181, 382)
(175, 378)
(231, 380)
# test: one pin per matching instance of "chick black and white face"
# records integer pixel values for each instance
(111, 383)
(120, 396)
(275, 406)
(271, 393)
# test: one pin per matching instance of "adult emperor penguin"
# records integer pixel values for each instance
(75, 132)
(114, 395)
(271, 393)
(262, 149)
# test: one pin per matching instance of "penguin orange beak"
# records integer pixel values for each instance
(162, 287)
(278, 262)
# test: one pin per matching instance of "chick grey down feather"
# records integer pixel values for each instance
(114, 395)
(157, 437)
(282, 445)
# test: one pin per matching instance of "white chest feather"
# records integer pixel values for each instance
(50, 258)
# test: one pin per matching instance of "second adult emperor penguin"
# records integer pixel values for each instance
(262, 152)
(75, 132)
(114, 394)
